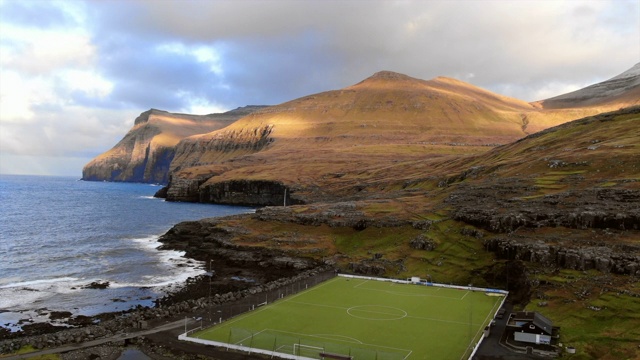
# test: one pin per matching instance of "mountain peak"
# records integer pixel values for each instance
(623, 89)
(389, 75)
(634, 72)
(386, 79)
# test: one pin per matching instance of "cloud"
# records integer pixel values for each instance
(306, 46)
(30, 14)
(75, 74)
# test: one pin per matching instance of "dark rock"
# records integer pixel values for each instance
(97, 285)
(602, 258)
(248, 192)
(57, 315)
(422, 242)
(162, 193)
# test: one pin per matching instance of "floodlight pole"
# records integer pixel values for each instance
(210, 279)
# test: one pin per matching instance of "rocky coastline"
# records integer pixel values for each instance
(237, 273)
(173, 306)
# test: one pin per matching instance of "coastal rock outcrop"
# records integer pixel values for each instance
(618, 259)
(489, 207)
(147, 150)
(248, 192)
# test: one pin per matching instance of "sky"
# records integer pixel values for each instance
(75, 74)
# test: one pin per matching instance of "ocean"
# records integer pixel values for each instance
(59, 234)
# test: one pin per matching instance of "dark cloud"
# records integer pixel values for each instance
(280, 50)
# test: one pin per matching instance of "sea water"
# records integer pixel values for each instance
(59, 234)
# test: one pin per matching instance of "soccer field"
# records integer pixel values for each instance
(366, 319)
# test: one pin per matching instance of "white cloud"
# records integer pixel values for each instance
(41, 51)
(88, 82)
(74, 74)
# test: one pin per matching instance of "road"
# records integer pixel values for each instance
(92, 343)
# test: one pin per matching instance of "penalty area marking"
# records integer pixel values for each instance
(337, 337)
(320, 336)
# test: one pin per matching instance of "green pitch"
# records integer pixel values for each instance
(366, 319)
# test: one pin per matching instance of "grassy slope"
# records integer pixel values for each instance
(460, 257)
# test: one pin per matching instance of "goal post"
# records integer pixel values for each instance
(307, 350)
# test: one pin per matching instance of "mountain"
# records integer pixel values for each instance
(396, 176)
(553, 217)
(309, 144)
(622, 90)
(146, 151)
(386, 118)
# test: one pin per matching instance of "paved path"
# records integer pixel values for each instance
(92, 343)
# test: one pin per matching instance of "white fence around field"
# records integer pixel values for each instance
(426, 283)
(250, 350)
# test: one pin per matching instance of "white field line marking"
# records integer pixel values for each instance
(358, 308)
(465, 294)
(439, 320)
(481, 328)
(362, 283)
(320, 305)
(237, 318)
(412, 295)
(319, 337)
(352, 307)
(337, 337)
(248, 337)
(288, 298)
(408, 316)
(242, 316)
(282, 347)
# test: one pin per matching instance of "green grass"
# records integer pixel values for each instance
(29, 349)
(365, 318)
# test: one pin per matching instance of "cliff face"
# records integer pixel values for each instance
(384, 119)
(316, 145)
(146, 151)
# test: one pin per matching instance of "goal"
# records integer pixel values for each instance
(307, 351)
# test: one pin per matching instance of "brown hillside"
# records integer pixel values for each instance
(146, 151)
(385, 119)
(389, 118)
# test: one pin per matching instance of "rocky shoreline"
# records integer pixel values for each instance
(237, 273)
(171, 307)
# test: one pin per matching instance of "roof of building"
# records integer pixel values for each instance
(536, 318)
(542, 322)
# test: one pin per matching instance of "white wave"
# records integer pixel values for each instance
(39, 282)
(147, 243)
(176, 267)
(19, 298)
(149, 197)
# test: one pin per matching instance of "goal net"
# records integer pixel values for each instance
(307, 351)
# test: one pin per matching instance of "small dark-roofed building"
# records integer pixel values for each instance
(531, 327)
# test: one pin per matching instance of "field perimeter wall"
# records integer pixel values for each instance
(301, 285)
(250, 350)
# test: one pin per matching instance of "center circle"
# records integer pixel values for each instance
(376, 312)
